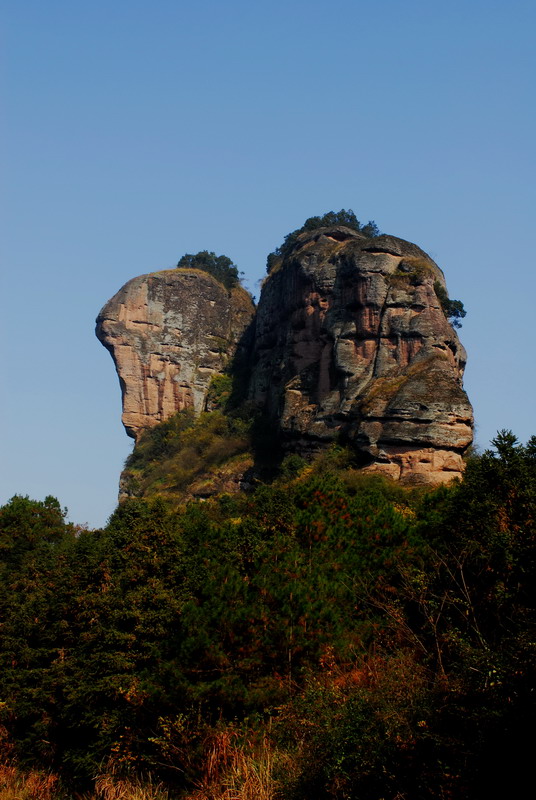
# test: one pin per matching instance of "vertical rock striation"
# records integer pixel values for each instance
(352, 342)
(168, 333)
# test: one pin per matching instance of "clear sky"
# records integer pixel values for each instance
(135, 131)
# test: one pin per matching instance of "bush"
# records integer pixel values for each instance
(221, 267)
(330, 219)
(453, 309)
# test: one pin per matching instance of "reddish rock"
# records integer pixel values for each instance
(168, 333)
(352, 343)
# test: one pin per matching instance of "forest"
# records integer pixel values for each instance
(325, 635)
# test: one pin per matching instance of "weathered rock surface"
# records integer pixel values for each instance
(169, 333)
(352, 342)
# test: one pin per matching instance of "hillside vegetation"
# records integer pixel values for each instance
(330, 635)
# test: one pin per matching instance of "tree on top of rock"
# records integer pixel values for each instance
(328, 220)
(453, 309)
(221, 267)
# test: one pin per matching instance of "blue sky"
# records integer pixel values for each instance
(134, 132)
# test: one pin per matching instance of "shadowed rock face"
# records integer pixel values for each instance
(168, 333)
(351, 341)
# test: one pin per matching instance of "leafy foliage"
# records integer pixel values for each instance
(27, 525)
(368, 640)
(331, 218)
(221, 267)
(453, 309)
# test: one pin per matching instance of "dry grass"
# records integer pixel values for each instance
(236, 771)
(111, 787)
(233, 770)
(33, 785)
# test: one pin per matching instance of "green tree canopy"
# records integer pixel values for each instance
(342, 217)
(375, 640)
(28, 524)
(221, 267)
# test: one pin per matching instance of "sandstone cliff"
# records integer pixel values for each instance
(351, 342)
(169, 333)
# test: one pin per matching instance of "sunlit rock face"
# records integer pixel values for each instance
(352, 344)
(169, 333)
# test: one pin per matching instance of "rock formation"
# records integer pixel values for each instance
(168, 333)
(352, 343)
